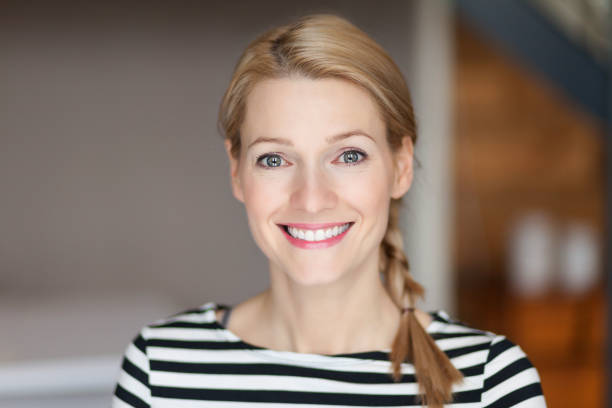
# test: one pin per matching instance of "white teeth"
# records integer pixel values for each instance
(317, 235)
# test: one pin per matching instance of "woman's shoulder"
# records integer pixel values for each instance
(443, 326)
(202, 316)
(465, 346)
(507, 372)
(457, 338)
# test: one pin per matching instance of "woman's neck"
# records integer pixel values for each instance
(350, 315)
(347, 316)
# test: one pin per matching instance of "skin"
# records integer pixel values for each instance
(315, 292)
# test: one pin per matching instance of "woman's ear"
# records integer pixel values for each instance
(236, 187)
(402, 168)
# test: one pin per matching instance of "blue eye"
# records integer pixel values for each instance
(269, 160)
(352, 156)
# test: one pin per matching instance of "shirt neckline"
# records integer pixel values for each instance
(294, 355)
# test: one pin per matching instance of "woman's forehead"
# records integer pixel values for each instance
(301, 107)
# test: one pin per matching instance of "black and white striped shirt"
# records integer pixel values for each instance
(190, 360)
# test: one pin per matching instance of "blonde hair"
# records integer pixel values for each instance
(327, 46)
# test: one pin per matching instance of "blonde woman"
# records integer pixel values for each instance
(320, 133)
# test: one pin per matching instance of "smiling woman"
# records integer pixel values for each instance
(317, 172)
(319, 131)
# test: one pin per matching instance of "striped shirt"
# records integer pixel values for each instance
(190, 360)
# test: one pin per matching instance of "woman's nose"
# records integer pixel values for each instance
(313, 192)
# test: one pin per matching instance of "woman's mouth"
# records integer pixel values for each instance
(315, 238)
(318, 234)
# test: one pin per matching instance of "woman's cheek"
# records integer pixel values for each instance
(364, 187)
(263, 193)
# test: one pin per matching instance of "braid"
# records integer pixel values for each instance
(434, 371)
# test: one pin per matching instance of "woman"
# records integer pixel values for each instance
(320, 132)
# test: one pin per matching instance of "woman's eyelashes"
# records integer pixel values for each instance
(269, 160)
(350, 157)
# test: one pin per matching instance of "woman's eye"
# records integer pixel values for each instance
(352, 156)
(269, 160)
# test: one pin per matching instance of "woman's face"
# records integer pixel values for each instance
(316, 176)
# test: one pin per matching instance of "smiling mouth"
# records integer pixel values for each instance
(316, 235)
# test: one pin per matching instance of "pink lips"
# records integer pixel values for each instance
(315, 244)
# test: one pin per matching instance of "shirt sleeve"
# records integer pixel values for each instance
(510, 380)
(132, 389)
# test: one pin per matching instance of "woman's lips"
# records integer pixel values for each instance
(311, 244)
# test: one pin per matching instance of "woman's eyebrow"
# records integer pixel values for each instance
(330, 139)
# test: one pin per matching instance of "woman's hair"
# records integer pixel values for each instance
(327, 46)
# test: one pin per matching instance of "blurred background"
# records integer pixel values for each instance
(116, 208)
